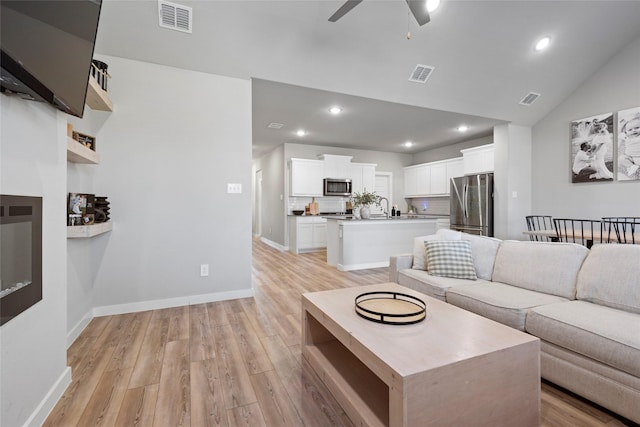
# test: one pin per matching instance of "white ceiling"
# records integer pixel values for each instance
(302, 64)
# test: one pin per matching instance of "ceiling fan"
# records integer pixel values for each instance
(418, 9)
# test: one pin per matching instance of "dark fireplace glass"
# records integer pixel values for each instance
(20, 254)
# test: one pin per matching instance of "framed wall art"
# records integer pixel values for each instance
(592, 148)
(628, 167)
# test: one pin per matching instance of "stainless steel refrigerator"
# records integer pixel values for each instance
(472, 204)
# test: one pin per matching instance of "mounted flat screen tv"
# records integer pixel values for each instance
(47, 48)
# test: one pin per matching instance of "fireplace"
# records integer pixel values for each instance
(20, 254)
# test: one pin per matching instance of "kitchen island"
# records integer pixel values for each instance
(357, 244)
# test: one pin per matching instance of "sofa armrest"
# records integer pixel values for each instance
(397, 263)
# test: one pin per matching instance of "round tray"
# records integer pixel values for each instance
(390, 308)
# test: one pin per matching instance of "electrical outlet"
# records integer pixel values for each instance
(204, 270)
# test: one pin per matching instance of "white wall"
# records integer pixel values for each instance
(614, 87)
(33, 371)
(169, 148)
(449, 151)
(273, 211)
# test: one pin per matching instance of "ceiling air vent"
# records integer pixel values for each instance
(530, 98)
(421, 73)
(175, 16)
(275, 125)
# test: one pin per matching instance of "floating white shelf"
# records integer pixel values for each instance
(86, 231)
(97, 98)
(78, 153)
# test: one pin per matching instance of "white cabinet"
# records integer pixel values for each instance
(307, 233)
(431, 179)
(478, 159)
(306, 177)
(336, 166)
(362, 175)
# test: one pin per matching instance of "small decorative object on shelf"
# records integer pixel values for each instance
(81, 209)
(101, 209)
(364, 200)
(99, 72)
(86, 140)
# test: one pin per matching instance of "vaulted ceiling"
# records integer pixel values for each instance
(482, 51)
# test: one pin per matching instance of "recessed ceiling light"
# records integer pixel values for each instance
(432, 5)
(408, 144)
(301, 132)
(543, 43)
(463, 128)
(335, 110)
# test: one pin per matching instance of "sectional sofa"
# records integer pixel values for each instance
(583, 304)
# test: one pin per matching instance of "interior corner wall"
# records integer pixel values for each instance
(616, 86)
(33, 350)
(512, 180)
(174, 141)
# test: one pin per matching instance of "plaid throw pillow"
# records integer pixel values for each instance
(450, 258)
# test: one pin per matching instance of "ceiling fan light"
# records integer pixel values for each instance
(432, 5)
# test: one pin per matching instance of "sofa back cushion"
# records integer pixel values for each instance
(419, 250)
(610, 276)
(484, 251)
(551, 268)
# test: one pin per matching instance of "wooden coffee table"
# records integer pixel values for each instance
(453, 368)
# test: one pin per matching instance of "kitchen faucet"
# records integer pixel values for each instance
(388, 211)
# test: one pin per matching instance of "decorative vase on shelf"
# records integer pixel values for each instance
(365, 212)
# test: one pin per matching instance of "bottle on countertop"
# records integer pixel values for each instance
(393, 210)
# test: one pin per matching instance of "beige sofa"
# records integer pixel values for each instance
(584, 305)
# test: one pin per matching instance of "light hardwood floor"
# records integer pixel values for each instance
(231, 363)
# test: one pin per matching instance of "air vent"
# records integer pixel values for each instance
(175, 16)
(530, 98)
(421, 73)
(275, 125)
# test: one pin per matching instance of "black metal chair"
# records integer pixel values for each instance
(625, 229)
(540, 222)
(582, 231)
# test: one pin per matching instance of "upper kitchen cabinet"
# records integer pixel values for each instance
(431, 179)
(336, 166)
(478, 159)
(363, 176)
(306, 177)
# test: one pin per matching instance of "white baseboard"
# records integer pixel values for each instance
(365, 266)
(109, 310)
(274, 245)
(75, 332)
(49, 402)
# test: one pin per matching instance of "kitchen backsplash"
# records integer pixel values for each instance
(431, 205)
(325, 204)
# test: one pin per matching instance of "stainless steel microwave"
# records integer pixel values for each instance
(337, 187)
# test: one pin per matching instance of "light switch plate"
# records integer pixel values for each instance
(234, 188)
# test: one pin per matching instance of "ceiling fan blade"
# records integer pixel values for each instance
(346, 7)
(419, 10)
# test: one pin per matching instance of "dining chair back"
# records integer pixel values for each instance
(540, 222)
(625, 230)
(582, 231)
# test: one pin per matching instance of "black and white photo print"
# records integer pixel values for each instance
(592, 148)
(629, 144)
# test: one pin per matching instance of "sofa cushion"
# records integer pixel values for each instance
(605, 334)
(484, 251)
(498, 301)
(547, 267)
(610, 276)
(433, 286)
(418, 245)
(450, 259)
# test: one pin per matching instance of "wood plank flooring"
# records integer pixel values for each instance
(231, 363)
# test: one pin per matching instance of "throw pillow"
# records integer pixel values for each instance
(418, 245)
(447, 258)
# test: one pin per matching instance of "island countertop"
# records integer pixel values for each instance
(383, 219)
